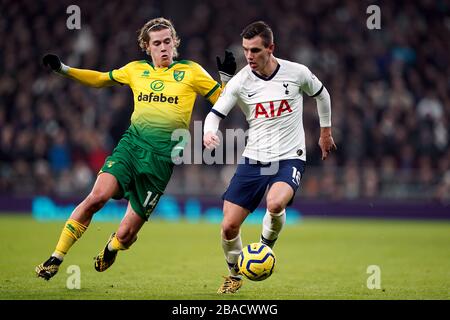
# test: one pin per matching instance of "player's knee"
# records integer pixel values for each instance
(275, 205)
(230, 229)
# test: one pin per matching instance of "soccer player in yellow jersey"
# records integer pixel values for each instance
(140, 166)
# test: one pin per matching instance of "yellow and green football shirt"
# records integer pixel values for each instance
(163, 99)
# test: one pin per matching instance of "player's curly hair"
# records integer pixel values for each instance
(156, 25)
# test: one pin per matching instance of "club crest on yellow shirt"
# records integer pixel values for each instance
(178, 75)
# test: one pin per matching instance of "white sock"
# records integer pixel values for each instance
(232, 248)
(58, 255)
(272, 225)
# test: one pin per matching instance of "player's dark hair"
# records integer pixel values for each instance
(258, 28)
(157, 24)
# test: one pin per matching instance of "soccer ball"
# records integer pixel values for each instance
(256, 261)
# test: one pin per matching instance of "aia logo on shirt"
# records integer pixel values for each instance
(271, 109)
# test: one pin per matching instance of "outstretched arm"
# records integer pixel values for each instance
(210, 138)
(220, 110)
(87, 77)
(326, 142)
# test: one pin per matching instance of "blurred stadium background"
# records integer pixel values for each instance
(390, 91)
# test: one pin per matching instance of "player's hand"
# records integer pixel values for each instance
(326, 142)
(227, 68)
(211, 140)
(52, 61)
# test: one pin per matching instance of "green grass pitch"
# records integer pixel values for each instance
(316, 259)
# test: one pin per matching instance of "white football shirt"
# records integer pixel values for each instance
(273, 108)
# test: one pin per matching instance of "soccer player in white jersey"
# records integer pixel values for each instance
(269, 92)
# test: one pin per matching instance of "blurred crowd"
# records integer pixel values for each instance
(390, 91)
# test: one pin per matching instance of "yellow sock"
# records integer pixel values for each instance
(115, 245)
(71, 232)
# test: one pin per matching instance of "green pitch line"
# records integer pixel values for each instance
(317, 259)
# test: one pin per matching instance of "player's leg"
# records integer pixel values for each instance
(245, 192)
(149, 180)
(233, 217)
(105, 187)
(279, 195)
(282, 188)
(125, 236)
